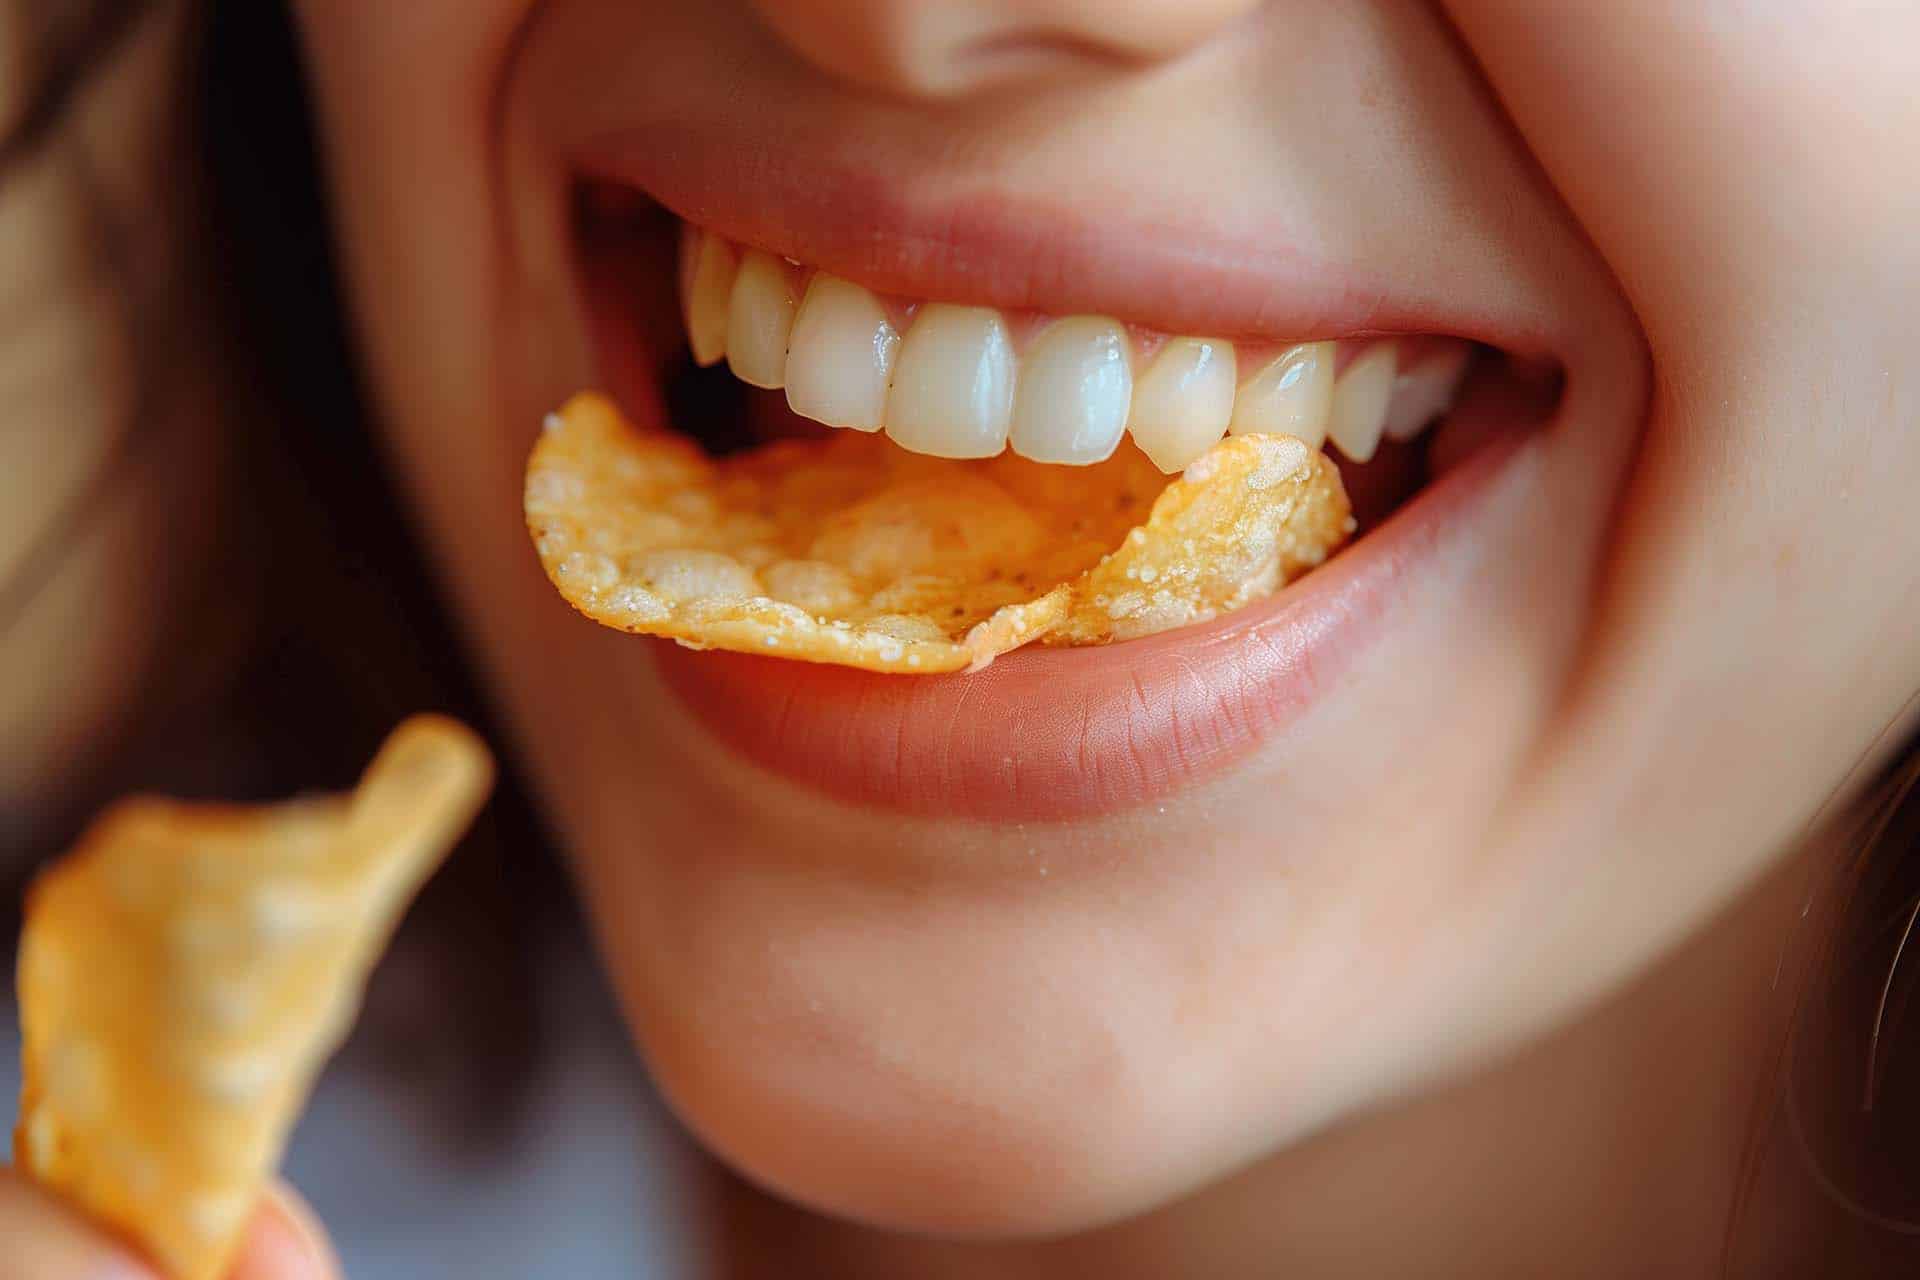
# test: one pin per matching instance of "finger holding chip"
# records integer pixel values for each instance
(47, 1239)
(284, 1241)
(185, 972)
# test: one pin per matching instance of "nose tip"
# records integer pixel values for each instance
(952, 48)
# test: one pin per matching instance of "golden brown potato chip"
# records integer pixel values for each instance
(187, 968)
(849, 549)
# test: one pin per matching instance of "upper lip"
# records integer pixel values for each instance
(849, 210)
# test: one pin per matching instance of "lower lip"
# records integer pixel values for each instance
(1055, 734)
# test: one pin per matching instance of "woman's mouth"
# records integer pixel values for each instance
(970, 478)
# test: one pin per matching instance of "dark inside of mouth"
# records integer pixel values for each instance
(725, 414)
(627, 258)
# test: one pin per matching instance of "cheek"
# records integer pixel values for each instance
(405, 97)
(442, 305)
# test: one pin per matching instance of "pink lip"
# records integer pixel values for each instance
(1049, 734)
(846, 207)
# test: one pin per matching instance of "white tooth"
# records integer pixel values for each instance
(952, 393)
(1184, 401)
(1291, 396)
(706, 282)
(1360, 400)
(1076, 382)
(840, 355)
(760, 319)
(1426, 391)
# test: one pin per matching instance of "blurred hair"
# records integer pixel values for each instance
(1838, 1116)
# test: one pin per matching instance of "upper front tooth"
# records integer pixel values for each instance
(706, 275)
(1075, 387)
(954, 388)
(1184, 401)
(1426, 391)
(1291, 396)
(760, 319)
(952, 393)
(840, 355)
(1360, 400)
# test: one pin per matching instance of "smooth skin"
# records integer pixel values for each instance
(46, 1240)
(1497, 997)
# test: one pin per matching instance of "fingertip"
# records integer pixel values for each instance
(285, 1241)
(43, 1238)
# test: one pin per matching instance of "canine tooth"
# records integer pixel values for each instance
(708, 264)
(1184, 401)
(760, 319)
(1076, 383)
(840, 355)
(1360, 400)
(1426, 391)
(952, 394)
(1291, 396)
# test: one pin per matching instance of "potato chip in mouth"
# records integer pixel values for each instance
(917, 485)
(849, 549)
